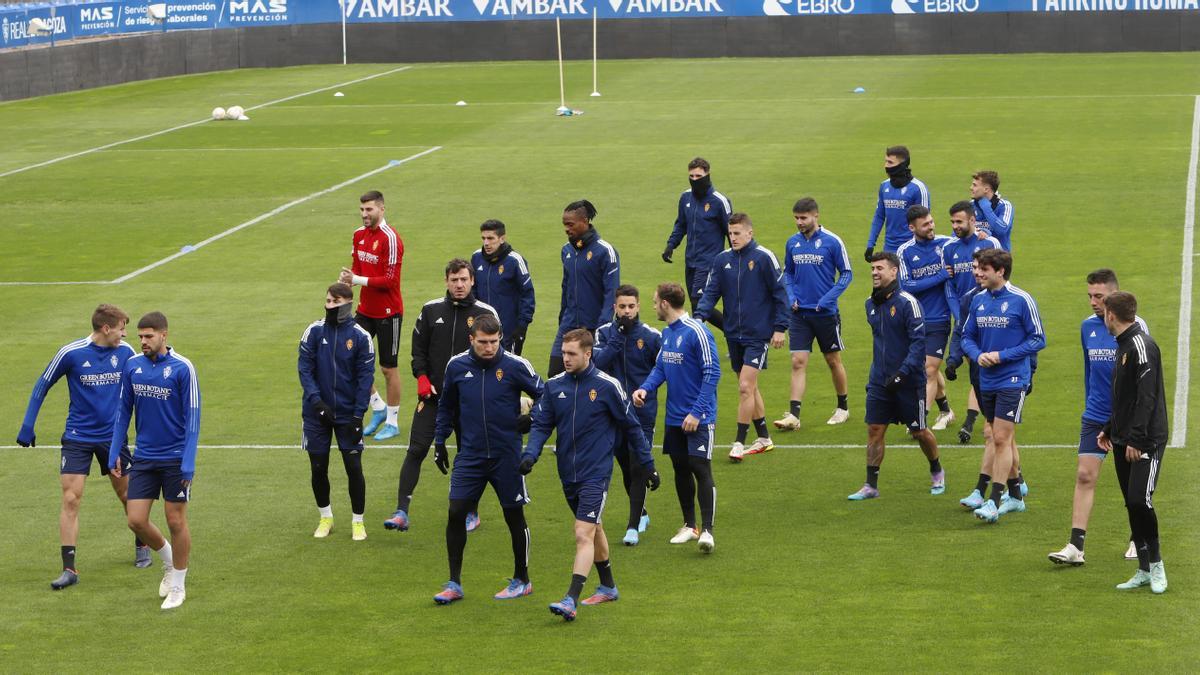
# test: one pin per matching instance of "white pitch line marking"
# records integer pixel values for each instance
(1183, 365)
(273, 212)
(813, 446)
(143, 137)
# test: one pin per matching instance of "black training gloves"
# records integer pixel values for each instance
(895, 382)
(526, 466)
(952, 371)
(524, 424)
(667, 253)
(440, 459)
(870, 252)
(653, 480)
(625, 324)
(324, 413)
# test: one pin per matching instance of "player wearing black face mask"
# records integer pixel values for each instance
(896, 194)
(703, 218)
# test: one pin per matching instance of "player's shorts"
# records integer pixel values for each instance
(805, 326)
(905, 406)
(318, 437)
(76, 458)
(937, 336)
(1003, 403)
(753, 354)
(587, 499)
(472, 473)
(387, 336)
(148, 478)
(699, 443)
(973, 372)
(623, 449)
(1088, 430)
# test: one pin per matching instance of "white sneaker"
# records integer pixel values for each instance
(839, 416)
(707, 545)
(788, 422)
(175, 598)
(760, 445)
(686, 534)
(1068, 556)
(164, 586)
(1131, 552)
(1158, 575)
(736, 451)
(943, 420)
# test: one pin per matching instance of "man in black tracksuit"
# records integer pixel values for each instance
(1136, 434)
(440, 333)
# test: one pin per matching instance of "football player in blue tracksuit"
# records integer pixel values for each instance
(92, 366)
(587, 410)
(703, 218)
(993, 213)
(626, 348)
(816, 271)
(161, 386)
(924, 274)
(336, 364)
(1099, 353)
(502, 280)
(896, 195)
(749, 280)
(689, 365)
(480, 402)
(959, 255)
(896, 385)
(591, 274)
(1003, 330)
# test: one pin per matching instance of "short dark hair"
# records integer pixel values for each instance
(340, 290)
(457, 265)
(582, 336)
(486, 324)
(626, 289)
(891, 258)
(108, 315)
(1122, 304)
(964, 206)
(805, 205)
(584, 205)
(492, 225)
(740, 218)
(699, 163)
(997, 259)
(900, 151)
(915, 213)
(154, 320)
(672, 294)
(1103, 276)
(371, 196)
(989, 178)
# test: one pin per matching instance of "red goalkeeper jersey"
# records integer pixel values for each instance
(377, 255)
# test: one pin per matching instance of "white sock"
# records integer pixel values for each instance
(165, 554)
(393, 415)
(377, 402)
(356, 517)
(326, 511)
(179, 577)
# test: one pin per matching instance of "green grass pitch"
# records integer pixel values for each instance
(1093, 151)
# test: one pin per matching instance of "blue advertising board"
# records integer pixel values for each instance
(41, 23)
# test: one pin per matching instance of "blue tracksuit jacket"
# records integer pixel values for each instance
(505, 285)
(750, 282)
(689, 365)
(891, 211)
(996, 221)
(923, 274)
(1004, 321)
(1099, 352)
(588, 411)
(93, 382)
(591, 274)
(166, 395)
(337, 366)
(898, 329)
(705, 222)
(816, 271)
(481, 399)
(630, 358)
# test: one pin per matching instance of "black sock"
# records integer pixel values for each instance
(137, 541)
(685, 488)
(760, 427)
(844, 401)
(969, 423)
(997, 493)
(355, 482)
(935, 465)
(982, 483)
(1014, 488)
(68, 557)
(604, 568)
(742, 429)
(1143, 552)
(873, 476)
(796, 408)
(706, 491)
(576, 586)
(1077, 536)
(942, 404)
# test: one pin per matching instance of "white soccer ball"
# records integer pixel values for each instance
(234, 112)
(218, 113)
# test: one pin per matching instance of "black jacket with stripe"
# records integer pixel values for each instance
(1139, 404)
(441, 332)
